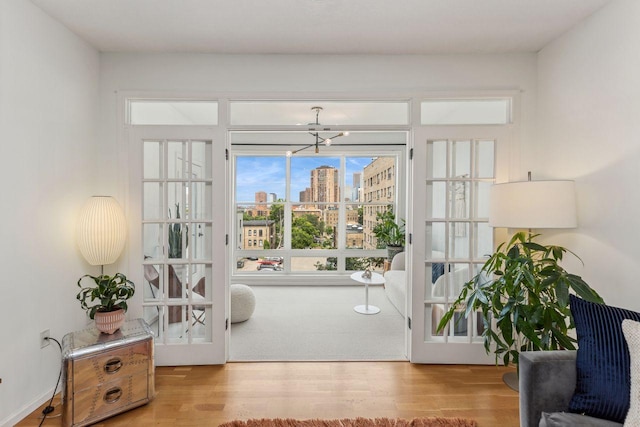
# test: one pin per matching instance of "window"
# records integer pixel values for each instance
(466, 112)
(160, 112)
(312, 222)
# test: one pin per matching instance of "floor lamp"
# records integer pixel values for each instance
(532, 205)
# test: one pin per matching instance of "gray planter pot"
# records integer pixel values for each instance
(393, 250)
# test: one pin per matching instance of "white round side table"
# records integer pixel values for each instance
(375, 279)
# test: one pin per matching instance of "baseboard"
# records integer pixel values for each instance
(14, 419)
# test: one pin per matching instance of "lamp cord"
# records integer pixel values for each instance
(49, 409)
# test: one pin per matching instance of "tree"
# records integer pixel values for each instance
(302, 233)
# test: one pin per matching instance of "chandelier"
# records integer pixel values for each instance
(316, 134)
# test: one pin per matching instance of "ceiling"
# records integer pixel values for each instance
(320, 26)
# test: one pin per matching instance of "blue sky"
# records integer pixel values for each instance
(268, 174)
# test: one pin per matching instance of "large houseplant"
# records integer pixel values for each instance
(389, 233)
(105, 300)
(524, 289)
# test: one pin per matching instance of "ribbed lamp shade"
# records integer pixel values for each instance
(533, 204)
(102, 230)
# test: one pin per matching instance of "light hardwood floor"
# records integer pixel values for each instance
(211, 395)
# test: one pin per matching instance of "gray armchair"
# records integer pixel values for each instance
(547, 382)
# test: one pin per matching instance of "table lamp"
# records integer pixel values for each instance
(101, 231)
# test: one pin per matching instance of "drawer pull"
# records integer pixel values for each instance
(113, 365)
(113, 395)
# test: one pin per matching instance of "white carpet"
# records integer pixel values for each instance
(300, 323)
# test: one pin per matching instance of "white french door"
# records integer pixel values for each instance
(452, 170)
(178, 249)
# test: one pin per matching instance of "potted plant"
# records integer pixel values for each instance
(525, 291)
(389, 233)
(105, 300)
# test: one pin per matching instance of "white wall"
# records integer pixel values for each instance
(48, 87)
(589, 130)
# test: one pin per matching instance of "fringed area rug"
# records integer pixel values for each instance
(355, 422)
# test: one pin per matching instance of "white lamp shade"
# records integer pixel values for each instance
(533, 204)
(102, 230)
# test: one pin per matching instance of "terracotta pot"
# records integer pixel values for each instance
(109, 321)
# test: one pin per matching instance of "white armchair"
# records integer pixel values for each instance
(395, 286)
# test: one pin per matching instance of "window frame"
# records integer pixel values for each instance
(341, 275)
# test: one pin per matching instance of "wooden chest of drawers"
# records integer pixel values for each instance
(105, 375)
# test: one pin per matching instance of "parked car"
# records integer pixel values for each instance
(252, 258)
(269, 266)
(240, 263)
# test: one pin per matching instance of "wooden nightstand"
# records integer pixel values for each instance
(105, 375)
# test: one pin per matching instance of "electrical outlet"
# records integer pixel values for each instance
(44, 341)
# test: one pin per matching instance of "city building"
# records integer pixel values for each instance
(356, 185)
(325, 185)
(256, 232)
(379, 183)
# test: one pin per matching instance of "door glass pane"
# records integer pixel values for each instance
(484, 240)
(177, 156)
(459, 240)
(199, 243)
(200, 160)
(437, 151)
(459, 199)
(200, 194)
(152, 241)
(460, 159)
(436, 199)
(433, 315)
(482, 199)
(153, 201)
(177, 280)
(485, 159)
(200, 282)
(153, 163)
(176, 196)
(177, 331)
(153, 282)
(435, 240)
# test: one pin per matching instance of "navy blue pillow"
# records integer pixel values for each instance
(602, 365)
(437, 270)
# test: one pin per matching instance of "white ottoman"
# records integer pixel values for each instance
(243, 302)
